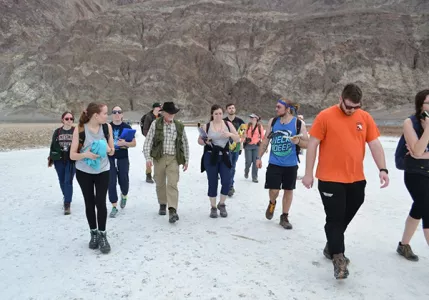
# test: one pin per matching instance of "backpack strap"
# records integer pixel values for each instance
(227, 126)
(106, 131)
(298, 129)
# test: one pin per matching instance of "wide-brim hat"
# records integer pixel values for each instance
(170, 108)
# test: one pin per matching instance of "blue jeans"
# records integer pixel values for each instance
(212, 175)
(118, 172)
(65, 171)
(233, 156)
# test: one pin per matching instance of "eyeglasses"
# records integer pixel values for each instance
(349, 107)
(116, 112)
(68, 119)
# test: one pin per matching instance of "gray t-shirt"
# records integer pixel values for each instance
(89, 139)
(216, 137)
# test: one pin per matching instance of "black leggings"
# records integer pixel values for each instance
(87, 183)
(418, 187)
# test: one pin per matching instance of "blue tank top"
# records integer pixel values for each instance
(283, 151)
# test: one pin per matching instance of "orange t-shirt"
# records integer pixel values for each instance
(257, 136)
(342, 143)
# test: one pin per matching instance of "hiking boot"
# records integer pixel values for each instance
(329, 256)
(149, 178)
(340, 266)
(124, 199)
(213, 212)
(270, 210)
(405, 251)
(222, 210)
(103, 243)
(246, 174)
(284, 221)
(67, 208)
(113, 212)
(231, 192)
(255, 180)
(162, 209)
(173, 215)
(93, 243)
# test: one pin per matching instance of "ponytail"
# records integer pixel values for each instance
(83, 119)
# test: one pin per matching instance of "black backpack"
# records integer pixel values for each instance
(82, 135)
(298, 129)
(401, 148)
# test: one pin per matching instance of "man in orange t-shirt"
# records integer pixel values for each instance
(342, 132)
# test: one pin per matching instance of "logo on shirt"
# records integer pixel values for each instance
(359, 126)
(280, 144)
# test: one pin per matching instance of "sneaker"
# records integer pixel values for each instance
(123, 200)
(162, 209)
(222, 210)
(93, 243)
(113, 212)
(103, 243)
(340, 266)
(149, 178)
(405, 251)
(255, 180)
(213, 213)
(328, 255)
(284, 221)
(246, 174)
(67, 208)
(173, 215)
(270, 210)
(231, 192)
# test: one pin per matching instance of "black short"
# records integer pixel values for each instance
(281, 178)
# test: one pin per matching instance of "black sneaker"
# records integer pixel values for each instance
(66, 208)
(284, 221)
(173, 215)
(340, 266)
(246, 174)
(405, 251)
(269, 213)
(149, 178)
(328, 255)
(213, 213)
(222, 210)
(162, 209)
(103, 243)
(93, 243)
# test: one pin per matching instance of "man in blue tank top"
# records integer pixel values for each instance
(283, 162)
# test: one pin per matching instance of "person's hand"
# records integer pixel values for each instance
(426, 123)
(121, 143)
(308, 181)
(295, 140)
(149, 164)
(226, 134)
(90, 155)
(259, 163)
(185, 167)
(384, 179)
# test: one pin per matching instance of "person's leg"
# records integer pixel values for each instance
(334, 201)
(123, 178)
(248, 160)
(173, 174)
(225, 179)
(273, 182)
(212, 172)
(289, 175)
(101, 187)
(254, 168)
(234, 158)
(68, 181)
(159, 167)
(113, 194)
(61, 171)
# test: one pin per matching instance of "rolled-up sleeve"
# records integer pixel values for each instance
(147, 146)
(185, 145)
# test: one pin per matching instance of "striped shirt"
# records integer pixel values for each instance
(170, 135)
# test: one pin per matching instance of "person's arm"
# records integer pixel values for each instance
(200, 139)
(186, 149)
(265, 141)
(110, 143)
(317, 135)
(416, 146)
(377, 153)
(233, 133)
(262, 131)
(147, 146)
(74, 155)
(303, 140)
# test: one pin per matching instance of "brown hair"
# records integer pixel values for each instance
(93, 108)
(352, 92)
(294, 105)
(229, 104)
(419, 100)
(65, 114)
(213, 109)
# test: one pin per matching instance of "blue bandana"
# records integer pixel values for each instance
(286, 105)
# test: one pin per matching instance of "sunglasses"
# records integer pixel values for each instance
(116, 112)
(68, 119)
(349, 107)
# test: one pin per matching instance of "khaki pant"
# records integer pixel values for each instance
(166, 175)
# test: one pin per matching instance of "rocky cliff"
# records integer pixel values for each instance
(58, 55)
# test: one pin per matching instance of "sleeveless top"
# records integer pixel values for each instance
(89, 139)
(216, 137)
(283, 151)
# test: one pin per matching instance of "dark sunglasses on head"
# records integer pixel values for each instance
(116, 112)
(68, 119)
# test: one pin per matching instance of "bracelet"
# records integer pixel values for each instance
(384, 170)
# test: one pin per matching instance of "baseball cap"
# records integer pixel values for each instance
(254, 116)
(156, 104)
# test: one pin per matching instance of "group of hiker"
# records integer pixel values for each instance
(95, 151)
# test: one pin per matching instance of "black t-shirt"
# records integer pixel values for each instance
(237, 122)
(64, 139)
(117, 131)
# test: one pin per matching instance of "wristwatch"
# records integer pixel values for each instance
(257, 157)
(384, 170)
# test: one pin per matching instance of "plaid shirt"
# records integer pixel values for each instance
(170, 135)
